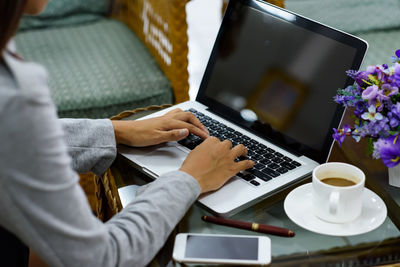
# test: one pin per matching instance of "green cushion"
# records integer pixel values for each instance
(350, 15)
(377, 22)
(96, 69)
(382, 45)
(67, 12)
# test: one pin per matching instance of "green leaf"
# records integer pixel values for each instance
(370, 146)
(373, 79)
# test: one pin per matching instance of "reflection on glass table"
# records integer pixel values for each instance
(377, 247)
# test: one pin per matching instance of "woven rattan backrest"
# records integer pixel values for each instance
(280, 3)
(162, 27)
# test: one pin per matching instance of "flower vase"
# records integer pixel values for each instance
(394, 175)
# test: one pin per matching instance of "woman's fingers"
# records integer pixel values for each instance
(173, 135)
(227, 144)
(179, 124)
(176, 110)
(239, 150)
(190, 118)
(244, 165)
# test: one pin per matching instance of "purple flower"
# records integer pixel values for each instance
(377, 147)
(394, 115)
(370, 69)
(352, 74)
(375, 128)
(356, 133)
(396, 75)
(372, 115)
(348, 96)
(389, 90)
(360, 77)
(340, 134)
(389, 151)
(380, 73)
(375, 98)
(370, 93)
(361, 106)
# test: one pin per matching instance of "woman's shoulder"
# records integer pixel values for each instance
(27, 76)
(8, 86)
(20, 80)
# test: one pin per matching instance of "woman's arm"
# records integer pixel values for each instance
(91, 144)
(42, 203)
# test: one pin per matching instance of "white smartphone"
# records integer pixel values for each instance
(215, 249)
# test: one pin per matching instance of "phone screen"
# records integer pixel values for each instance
(220, 247)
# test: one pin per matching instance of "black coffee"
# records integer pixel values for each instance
(337, 181)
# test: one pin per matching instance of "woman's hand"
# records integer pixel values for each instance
(212, 163)
(172, 126)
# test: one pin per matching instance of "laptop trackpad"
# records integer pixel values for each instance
(163, 159)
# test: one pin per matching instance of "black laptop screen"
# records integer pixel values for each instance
(275, 73)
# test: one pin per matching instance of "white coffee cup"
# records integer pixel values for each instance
(334, 203)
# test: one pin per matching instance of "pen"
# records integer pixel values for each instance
(257, 227)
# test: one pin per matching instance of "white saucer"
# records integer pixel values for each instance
(298, 207)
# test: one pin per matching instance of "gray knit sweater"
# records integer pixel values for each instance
(40, 198)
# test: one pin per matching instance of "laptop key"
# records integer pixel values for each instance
(288, 165)
(270, 150)
(237, 139)
(287, 158)
(270, 172)
(273, 165)
(185, 142)
(277, 160)
(268, 155)
(255, 183)
(250, 153)
(256, 157)
(248, 177)
(191, 146)
(264, 161)
(295, 163)
(263, 147)
(262, 175)
(260, 151)
(259, 166)
(282, 170)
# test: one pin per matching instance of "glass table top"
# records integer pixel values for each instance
(306, 248)
(374, 247)
(377, 247)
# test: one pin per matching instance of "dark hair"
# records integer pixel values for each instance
(11, 12)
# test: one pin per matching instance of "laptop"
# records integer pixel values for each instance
(269, 84)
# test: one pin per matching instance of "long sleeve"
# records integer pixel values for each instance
(47, 209)
(41, 201)
(91, 144)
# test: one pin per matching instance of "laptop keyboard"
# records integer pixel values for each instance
(268, 163)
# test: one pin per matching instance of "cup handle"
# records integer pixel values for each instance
(333, 202)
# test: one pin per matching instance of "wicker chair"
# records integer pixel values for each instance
(162, 27)
(99, 66)
(280, 3)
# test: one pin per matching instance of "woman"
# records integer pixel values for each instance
(41, 202)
